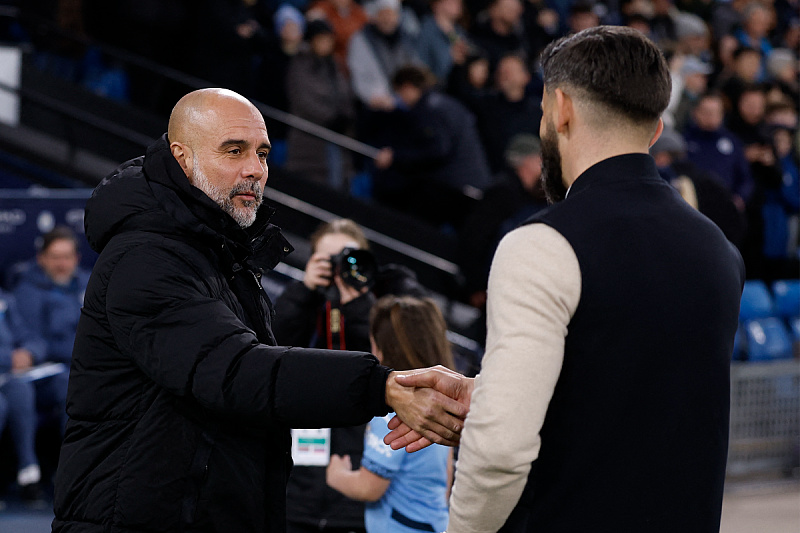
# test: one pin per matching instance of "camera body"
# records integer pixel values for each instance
(356, 267)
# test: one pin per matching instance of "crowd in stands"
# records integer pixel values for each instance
(442, 87)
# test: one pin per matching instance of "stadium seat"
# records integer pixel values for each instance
(756, 301)
(767, 339)
(787, 298)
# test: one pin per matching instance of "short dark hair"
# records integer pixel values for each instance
(58, 233)
(418, 77)
(615, 66)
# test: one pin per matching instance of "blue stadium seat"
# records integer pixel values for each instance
(756, 301)
(767, 339)
(787, 297)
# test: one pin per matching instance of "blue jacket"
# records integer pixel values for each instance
(52, 310)
(721, 153)
(14, 333)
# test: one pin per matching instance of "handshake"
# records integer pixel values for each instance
(430, 406)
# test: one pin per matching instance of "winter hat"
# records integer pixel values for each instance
(287, 13)
(372, 8)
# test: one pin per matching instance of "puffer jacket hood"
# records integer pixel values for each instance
(161, 200)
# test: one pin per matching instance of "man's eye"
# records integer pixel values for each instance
(235, 151)
(263, 155)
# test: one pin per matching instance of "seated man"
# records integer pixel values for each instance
(50, 296)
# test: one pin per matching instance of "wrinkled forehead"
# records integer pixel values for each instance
(227, 119)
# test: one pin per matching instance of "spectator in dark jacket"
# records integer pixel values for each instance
(376, 52)
(318, 90)
(712, 148)
(179, 401)
(516, 196)
(511, 109)
(501, 32)
(432, 162)
(50, 297)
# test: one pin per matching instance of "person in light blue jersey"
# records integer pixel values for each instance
(405, 492)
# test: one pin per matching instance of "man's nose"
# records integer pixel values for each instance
(254, 168)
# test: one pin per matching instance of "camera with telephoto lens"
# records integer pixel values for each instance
(357, 268)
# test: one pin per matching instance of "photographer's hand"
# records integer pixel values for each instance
(347, 293)
(318, 271)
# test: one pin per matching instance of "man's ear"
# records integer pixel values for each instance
(183, 155)
(564, 111)
(657, 134)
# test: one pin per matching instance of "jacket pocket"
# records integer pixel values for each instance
(198, 473)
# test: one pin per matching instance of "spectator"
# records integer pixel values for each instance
(346, 18)
(757, 21)
(699, 189)
(50, 297)
(405, 492)
(771, 252)
(442, 41)
(541, 25)
(746, 118)
(782, 71)
(746, 68)
(517, 195)
(432, 162)
(714, 149)
(688, 85)
(278, 52)
(692, 36)
(377, 52)
(319, 91)
(500, 32)
(582, 15)
(19, 347)
(470, 77)
(225, 38)
(662, 23)
(323, 311)
(502, 113)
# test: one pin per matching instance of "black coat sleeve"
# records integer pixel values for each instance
(164, 315)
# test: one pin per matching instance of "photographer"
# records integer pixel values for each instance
(324, 311)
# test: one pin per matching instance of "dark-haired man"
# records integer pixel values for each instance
(179, 402)
(602, 403)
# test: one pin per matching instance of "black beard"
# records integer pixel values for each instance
(552, 178)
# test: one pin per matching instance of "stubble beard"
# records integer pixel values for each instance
(244, 215)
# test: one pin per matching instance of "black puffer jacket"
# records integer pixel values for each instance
(179, 402)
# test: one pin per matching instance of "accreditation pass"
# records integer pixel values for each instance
(311, 447)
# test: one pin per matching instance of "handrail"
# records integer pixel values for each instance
(194, 82)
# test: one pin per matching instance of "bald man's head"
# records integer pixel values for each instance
(220, 141)
(196, 112)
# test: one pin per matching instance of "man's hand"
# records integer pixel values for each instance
(431, 405)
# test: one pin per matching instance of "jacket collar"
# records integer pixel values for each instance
(618, 169)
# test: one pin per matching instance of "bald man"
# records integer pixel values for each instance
(179, 401)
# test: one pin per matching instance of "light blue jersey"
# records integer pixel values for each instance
(416, 497)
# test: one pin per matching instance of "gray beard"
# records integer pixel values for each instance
(245, 215)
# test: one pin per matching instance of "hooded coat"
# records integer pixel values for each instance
(179, 402)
